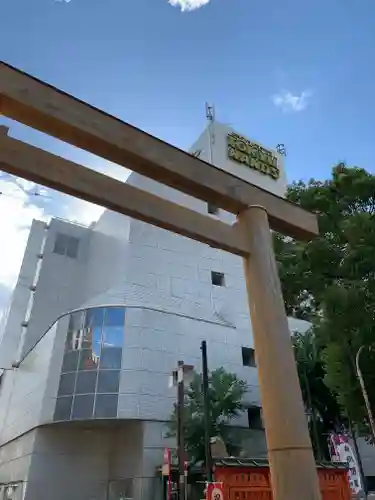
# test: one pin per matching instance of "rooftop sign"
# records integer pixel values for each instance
(249, 153)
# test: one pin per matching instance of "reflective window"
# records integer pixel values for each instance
(108, 381)
(83, 406)
(63, 408)
(70, 362)
(114, 316)
(67, 381)
(92, 340)
(106, 405)
(86, 382)
(90, 374)
(94, 317)
(111, 358)
(76, 321)
(75, 332)
(88, 360)
(113, 336)
(76, 339)
(113, 329)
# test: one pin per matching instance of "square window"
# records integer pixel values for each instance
(83, 406)
(217, 279)
(76, 339)
(88, 360)
(111, 358)
(70, 362)
(94, 317)
(92, 339)
(254, 415)
(212, 209)
(109, 381)
(60, 244)
(72, 247)
(66, 387)
(106, 406)
(68, 342)
(76, 321)
(66, 245)
(114, 316)
(63, 408)
(113, 336)
(248, 357)
(86, 382)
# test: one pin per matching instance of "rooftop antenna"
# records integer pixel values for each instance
(210, 115)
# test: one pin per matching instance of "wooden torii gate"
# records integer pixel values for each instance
(34, 103)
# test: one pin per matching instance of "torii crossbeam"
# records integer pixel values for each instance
(45, 108)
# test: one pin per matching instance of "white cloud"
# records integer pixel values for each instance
(186, 5)
(289, 102)
(16, 215)
(18, 208)
(21, 201)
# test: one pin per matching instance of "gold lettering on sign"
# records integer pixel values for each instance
(252, 155)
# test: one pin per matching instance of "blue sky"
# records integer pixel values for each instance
(294, 72)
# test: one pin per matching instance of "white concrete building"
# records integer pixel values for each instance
(99, 318)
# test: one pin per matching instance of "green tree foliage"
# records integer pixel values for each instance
(226, 392)
(320, 402)
(331, 280)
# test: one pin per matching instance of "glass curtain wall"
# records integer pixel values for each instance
(90, 375)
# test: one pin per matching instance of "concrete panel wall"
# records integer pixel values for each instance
(11, 339)
(155, 341)
(24, 389)
(80, 462)
(107, 254)
(15, 459)
(61, 281)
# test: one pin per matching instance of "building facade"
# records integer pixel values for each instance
(99, 319)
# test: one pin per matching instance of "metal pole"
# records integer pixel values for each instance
(364, 392)
(207, 413)
(180, 431)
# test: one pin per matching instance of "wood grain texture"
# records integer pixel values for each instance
(290, 455)
(45, 108)
(36, 165)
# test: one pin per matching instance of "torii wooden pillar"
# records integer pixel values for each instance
(45, 108)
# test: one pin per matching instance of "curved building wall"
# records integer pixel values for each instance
(90, 374)
(114, 361)
(117, 361)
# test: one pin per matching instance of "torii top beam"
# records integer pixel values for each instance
(48, 109)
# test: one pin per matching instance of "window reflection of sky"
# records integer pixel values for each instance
(96, 340)
(90, 374)
(96, 328)
(94, 317)
(113, 336)
(115, 316)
